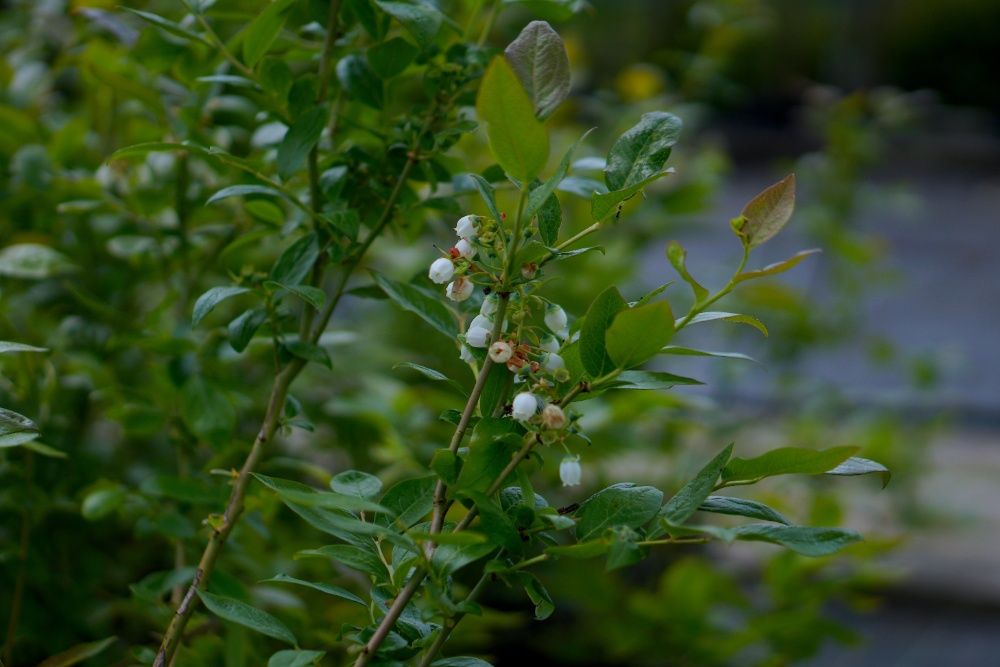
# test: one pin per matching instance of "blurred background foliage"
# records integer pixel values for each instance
(137, 442)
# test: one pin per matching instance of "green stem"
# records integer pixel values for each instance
(700, 307)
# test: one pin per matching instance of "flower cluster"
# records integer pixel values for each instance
(526, 347)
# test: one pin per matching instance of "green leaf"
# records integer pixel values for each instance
(303, 134)
(422, 20)
(353, 556)
(539, 196)
(582, 550)
(207, 411)
(624, 553)
(33, 261)
(166, 25)
(307, 351)
(549, 221)
(446, 465)
(650, 380)
(603, 204)
(43, 449)
(538, 58)
(496, 525)
(687, 501)
(290, 658)
(356, 483)
(360, 81)
(430, 374)
(314, 296)
(642, 151)
(498, 380)
(692, 352)
(243, 614)
(102, 501)
(622, 504)
(296, 261)
(486, 192)
(242, 191)
(593, 353)
(329, 589)
(638, 334)
(805, 540)
(388, 59)
(678, 259)
(6, 347)
(855, 465)
(301, 494)
(463, 538)
(410, 500)
(449, 558)
(518, 141)
(737, 318)
(412, 299)
(212, 298)
(461, 661)
(493, 443)
(242, 329)
(544, 606)
(742, 507)
(777, 267)
(766, 214)
(264, 29)
(78, 653)
(785, 461)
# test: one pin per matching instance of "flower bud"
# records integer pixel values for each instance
(554, 362)
(524, 407)
(481, 322)
(555, 320)
(460, 289)
(553, 417)
(501, 351)
(570, 471)
(441, 271)
(561, 375)
(489, 305)
(466, 227)
(465, 354)
(477, 336)
(465, 249)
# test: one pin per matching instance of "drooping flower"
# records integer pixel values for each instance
(459, 289)
(553, 417)
(481, 321)
(549, 344)
(489, 305)
(556, 321)
(501, 351)
(524, 407)
(465, 354)
(441, 271)
(477, 336)
(554, 362)
(466, 227)
(465, 249)
(570, 471)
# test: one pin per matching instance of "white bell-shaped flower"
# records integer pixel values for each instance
(459, 289)
(549, 344)
(466, 227)
(489, 306)
(570, 470)
(441, 271)
(465, 249)
(465, 354)
(556, 320)
(477, 336)
(481, 321)
(524, 407)
(553, 362)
